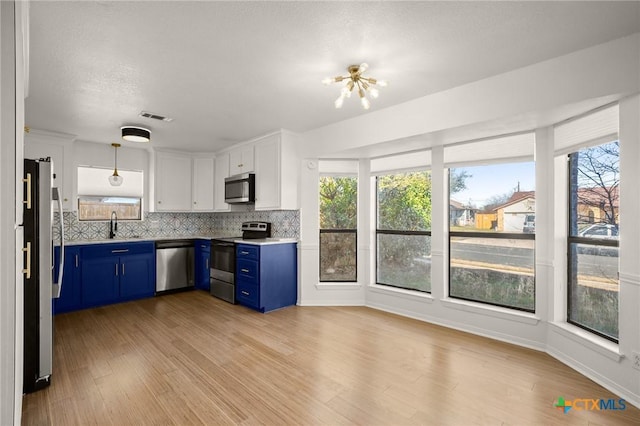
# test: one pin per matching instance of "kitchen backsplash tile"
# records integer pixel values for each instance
(285, 224)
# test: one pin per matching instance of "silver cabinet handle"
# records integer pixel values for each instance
(116, 269)
(123, 269)
(76, 260)
(246, 271)
(206, 264)
(120, 251)
(246, 293)
(244, 252)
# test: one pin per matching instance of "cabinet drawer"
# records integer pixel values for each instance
(247, 294)
(117, 249)
(247, 269)
(247, 252)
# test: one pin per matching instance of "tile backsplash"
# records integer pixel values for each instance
(285, 224)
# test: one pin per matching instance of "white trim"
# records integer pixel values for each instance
(324, 285)
(588, 340)
(330, 303)
(586, 144)
(465, 328)
(633, 279)
(545, 262)
(489, 161)
(401, 292)
(604, 381)
(493, 311)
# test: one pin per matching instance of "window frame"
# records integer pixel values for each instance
(395, 231)
(353, 231)
(591, 241)
(493, 235)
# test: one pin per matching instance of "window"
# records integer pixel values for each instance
(491, 234)
(593, 286)
(403, 232)
(97, 199)
(338, 228)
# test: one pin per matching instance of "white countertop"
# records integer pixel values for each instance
(266, 241)
(262, 241)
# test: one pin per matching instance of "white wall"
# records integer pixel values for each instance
(11, 234)
(608, 70)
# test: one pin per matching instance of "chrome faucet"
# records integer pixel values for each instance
(113, 225)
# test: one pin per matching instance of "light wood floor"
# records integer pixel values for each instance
(191, 359)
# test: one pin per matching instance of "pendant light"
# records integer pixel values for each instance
(115, 179)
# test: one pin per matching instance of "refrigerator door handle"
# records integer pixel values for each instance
(28, 191)
(27, 269)
(57, 289)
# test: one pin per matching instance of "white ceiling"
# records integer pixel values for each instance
(230, 71)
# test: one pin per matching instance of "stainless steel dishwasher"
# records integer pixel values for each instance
(174, 265)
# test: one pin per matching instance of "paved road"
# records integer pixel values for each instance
(522, 257)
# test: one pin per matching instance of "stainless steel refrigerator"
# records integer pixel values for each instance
(40, 197)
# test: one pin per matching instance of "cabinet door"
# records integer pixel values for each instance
(71, 294)
(202, 255)
(268, 174)
(173, 182)
(241, 161)
(100, 280)
(203, 184)
(136, 276)
(221, 171)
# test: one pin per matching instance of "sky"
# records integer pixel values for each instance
(495, 179)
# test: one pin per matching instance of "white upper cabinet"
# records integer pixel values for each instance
(173, 182)
(42, 144)
(277, 172)
(221, 171)
(203, 178)
(241, 160)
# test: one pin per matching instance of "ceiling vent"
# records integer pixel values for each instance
(155, 116)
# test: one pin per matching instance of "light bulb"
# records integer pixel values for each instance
(365, 103)
(363, 67)
(327, 81)
(373, 92)
(338, 103)
(382, 83)
(115, 179)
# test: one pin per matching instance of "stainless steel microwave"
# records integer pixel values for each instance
(240, 189)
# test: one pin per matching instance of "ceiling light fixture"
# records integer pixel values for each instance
(115, 179)
(135, 134)
(355, 79)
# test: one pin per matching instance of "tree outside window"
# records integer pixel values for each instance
(403, 234)
(593, 285)
(338, 228)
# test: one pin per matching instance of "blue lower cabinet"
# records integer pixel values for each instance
(202, 256)
(114, 272)
(99, 281)
(266, 276)
(71, 293)
(135, 276)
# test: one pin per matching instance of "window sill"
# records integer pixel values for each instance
(494, 311)
(338, 286)
(404, 293)
(590, 341)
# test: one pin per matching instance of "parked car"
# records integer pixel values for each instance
(529, 224)
(600, 230)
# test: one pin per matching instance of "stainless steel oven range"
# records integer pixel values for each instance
(223, 260)
(222, 269)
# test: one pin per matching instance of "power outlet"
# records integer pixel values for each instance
(635, 357)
